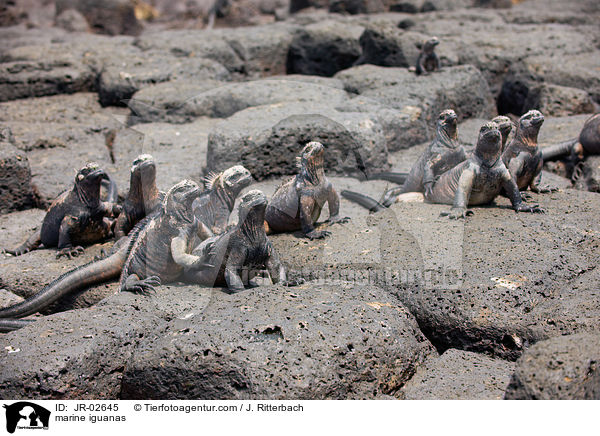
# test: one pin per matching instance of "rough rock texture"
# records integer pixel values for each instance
(182, 102)
(265, 139)
(324, 48)
(392, 47)
(472, 285)
(561, 368)
(459, 375)
(308, 342)
(15, 179)
(123, 77)
(462, 88)
(557, 101)
(27, 274)
(82, 354)
(61, 134)
(112, 17)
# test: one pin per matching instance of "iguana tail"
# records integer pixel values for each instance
(75, 280)
(363, 200)
(393, 177)
(561, 149)
(8, 325)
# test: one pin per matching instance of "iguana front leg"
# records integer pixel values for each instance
(461, 197)
(180, 244)
(275, 267)
(306, 207)
(511, 188)
(233, 269)
(333, 202)
(536, 186)
(137, 286)
(68, 225)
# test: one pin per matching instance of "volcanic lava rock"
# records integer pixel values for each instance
(308, 342)
(561, 368)
(112, 17)
(15, 176)
(324, 48)
(265, 139)
(459, 375)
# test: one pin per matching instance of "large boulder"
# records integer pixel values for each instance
(324, 48)
(120, 78)
(557, 101)
(573, 71)
(561, 368)
(461, 88)
(392, 47)
(459, 375)
(308, 342)
(182, 102)
(112, 17)
(82, 354)
(266, 139)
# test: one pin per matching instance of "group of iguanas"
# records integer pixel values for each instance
(181, 235)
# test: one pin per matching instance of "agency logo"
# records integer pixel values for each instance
(27, 416)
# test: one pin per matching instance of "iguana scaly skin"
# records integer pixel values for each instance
(505, 126)
(157, 251)
(77, 216)
(143, 197)
(523, 157)
(479, 179)
(442, 154)
(214, 205)
(428, 60)
(243, 248)
(298, 202)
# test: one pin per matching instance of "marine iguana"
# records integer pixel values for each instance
(157, 252)
(143, 197)
(428, 60)
(297, 203)
(588, 142)
(479, 179)
(214, 205)
(442, 154)
(523, 157)
(243, 248)
(77, 216)
(505, 126)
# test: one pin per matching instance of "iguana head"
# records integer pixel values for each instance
(177, 204)
(489, 144)
(143, 177)
(231, 181)
(429, 45)
(505, 125)
(447, 126)
(252, 211)
(87, 182)
(529, 126)
(312, 160)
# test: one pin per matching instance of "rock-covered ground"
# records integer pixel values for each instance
(400, 304)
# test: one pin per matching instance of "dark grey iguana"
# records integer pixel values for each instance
(442, 154)
(428, 60)
(241, 251)
(479, 179)
(214, 205)
(297, 203)
(77, 216)
(523, 157)
(158, 251)
(505, 126)
(143, 197)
